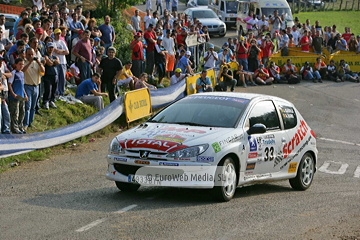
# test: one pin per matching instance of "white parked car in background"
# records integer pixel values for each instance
(219, 141)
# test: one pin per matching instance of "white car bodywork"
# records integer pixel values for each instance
(273, 155)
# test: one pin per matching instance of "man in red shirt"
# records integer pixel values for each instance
(137, 56)
(266, 47)
(242, 50)
(150, 37)
(304, 42)
(82, 51)
(262, 76)
(347, 34)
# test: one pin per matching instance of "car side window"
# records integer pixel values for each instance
(264, 112)
(288, 116)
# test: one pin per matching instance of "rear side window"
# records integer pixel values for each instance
(288, 115)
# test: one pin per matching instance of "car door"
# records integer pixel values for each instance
(263, 149)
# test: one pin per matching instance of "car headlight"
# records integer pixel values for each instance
(115, 147)
(189, 152)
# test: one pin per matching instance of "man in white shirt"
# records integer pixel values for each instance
(60, 51)
(177, 77)
(147, 18)
(296, 35)
(262, 24)
(2, 22)
(135, 21)
(210, 58)
(276, 22)
(169, 45)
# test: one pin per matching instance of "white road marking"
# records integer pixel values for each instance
(342, 169)
(97, 222)
(357, 172)
(93, 224)
(338, 141)
(125, 209)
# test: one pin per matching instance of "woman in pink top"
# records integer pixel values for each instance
(141, 83)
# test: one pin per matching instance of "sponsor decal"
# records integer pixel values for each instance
(268, 141)
(113, 172)
(185, 130)
(250, 166)
(292, 168)
(252, 143)
(120, 159)
(204, 159)
(156, 144)
(230, 139)
(216, 147)
(253, 155)
(184, 159)
(170, 137)
(269, 136)
(142, 162)
(297, 153)
(296, 139)
(257, 176)
(219, 98)
(168, 164)
(278, 159)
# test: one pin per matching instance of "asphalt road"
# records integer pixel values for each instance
(68, 197)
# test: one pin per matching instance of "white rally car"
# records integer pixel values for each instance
(216, 140)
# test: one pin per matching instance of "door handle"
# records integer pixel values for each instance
(283, 140)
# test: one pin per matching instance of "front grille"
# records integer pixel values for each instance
(126, 169)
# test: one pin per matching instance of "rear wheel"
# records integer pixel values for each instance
(225, 187)
(305, 173)
(127, 187)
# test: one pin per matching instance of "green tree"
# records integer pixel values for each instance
(110, 6)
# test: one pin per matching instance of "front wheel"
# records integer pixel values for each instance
(127, 187)
(225, 180)
(222, 35)
(305, 173)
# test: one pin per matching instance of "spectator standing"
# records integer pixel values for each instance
(148, 5)
(60, 51)
(169, 45)
(17, 97)
(167, 2)
(284, 43)
(341, 43)
(147, 19)
(50, 78)
(4, 111)
(174, 6)
(210, 58)
(305, 42)
(88, 92)
(82, 51)
(159, 5)
(33, 70)
(296, 35)
(160, 59)
(111, 68)
(75, 26)
(5, 41)
(254, 50)
(150, 38)
(20, 47)
(317, 43)
(135, 21)
(352, 43)
(137, 48)
(184, 64)
(266, 47)
(108, 33)
(275, 22)
(242, 51)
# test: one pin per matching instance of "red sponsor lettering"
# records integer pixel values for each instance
(156, 144)
(296, 139)
(253, 155)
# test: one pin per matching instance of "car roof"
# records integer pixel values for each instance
(7, 15)
(195, 9)
(248, 96)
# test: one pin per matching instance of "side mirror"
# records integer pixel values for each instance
(257, 128)
(220, 17)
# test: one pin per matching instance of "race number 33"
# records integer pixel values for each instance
(269, 154)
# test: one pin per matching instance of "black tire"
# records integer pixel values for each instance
(127, 187)
(305, 173)
(225, 193)
(222, 35)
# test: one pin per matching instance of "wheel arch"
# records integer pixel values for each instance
(236, 159)
(313, 155)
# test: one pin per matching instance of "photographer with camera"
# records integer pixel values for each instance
(33, 70)
(203, 83)
(290, 72)
(307, 73)
(226, 78)
(242, 53)
(210, 58)
(346, 73)
(262, 76)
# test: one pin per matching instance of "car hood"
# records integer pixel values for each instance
(169, 137)
(210, 21)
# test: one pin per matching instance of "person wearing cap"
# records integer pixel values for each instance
(60, 51)
(178, 76)
(160, 60)
(50, 78)
(4, 110)
(169, 45)
(33, 71)
(82, 51)
(242, 52)
(111, 69)
(88, 91)
(203, 83)
(210, 58)
(226, 78)
(262, 76)
(184, 63)
(75, 26)
(150, 37)
(127, 78)
(137, 56)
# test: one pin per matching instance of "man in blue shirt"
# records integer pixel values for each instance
(88, 91)
(203, 83)
(108, 33)
(184, 65)
(75, 26)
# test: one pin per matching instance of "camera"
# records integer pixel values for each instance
(35, 58)
(204, 87)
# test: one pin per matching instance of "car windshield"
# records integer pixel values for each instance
(204, 14)
(203, 110)
(270, 11)
(202, 2)
(231, 7)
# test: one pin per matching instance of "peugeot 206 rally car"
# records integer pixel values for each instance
(219, 141)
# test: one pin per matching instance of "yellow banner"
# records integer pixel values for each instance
(191, 84)
(137, 104)
(233, 66)
(212, 75)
